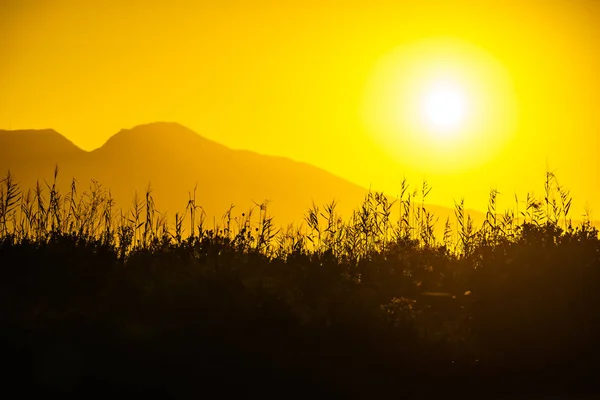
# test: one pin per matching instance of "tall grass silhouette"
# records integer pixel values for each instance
(355, 307)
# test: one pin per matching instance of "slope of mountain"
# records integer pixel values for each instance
(173, 160)
(31, 145)
(33, 154)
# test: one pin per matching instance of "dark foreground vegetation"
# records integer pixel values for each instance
(99, 303)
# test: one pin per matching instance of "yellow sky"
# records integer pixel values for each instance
(295, 79)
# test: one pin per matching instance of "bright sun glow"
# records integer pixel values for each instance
(440, 105)
(443, 109)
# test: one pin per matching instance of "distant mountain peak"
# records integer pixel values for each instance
(157, 127)
(161, 125)
(30, 132)
(155, 137)
(38, 142)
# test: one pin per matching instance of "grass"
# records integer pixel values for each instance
(126, 300)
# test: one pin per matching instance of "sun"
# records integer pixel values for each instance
(444, 109)
(440, 105)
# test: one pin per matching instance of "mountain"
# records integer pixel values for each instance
(38, 142)
(32, 154)
(174, 159)
(28, 147)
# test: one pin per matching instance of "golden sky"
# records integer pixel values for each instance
(333, 83)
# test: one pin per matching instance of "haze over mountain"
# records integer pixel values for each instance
(174, 159)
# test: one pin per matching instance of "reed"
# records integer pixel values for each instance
(44, 212)
(367, 284)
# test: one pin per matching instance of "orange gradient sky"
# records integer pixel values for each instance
(332, 83)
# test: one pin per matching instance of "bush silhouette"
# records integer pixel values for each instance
(355, 308)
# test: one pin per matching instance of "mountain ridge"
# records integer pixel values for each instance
(4, 133)
(174, 159)
(41, 141)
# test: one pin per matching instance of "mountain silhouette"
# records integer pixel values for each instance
(33, 145)
(32, 154)
(173, 160)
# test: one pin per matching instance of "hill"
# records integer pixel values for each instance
(30, 145)
(174, 160)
